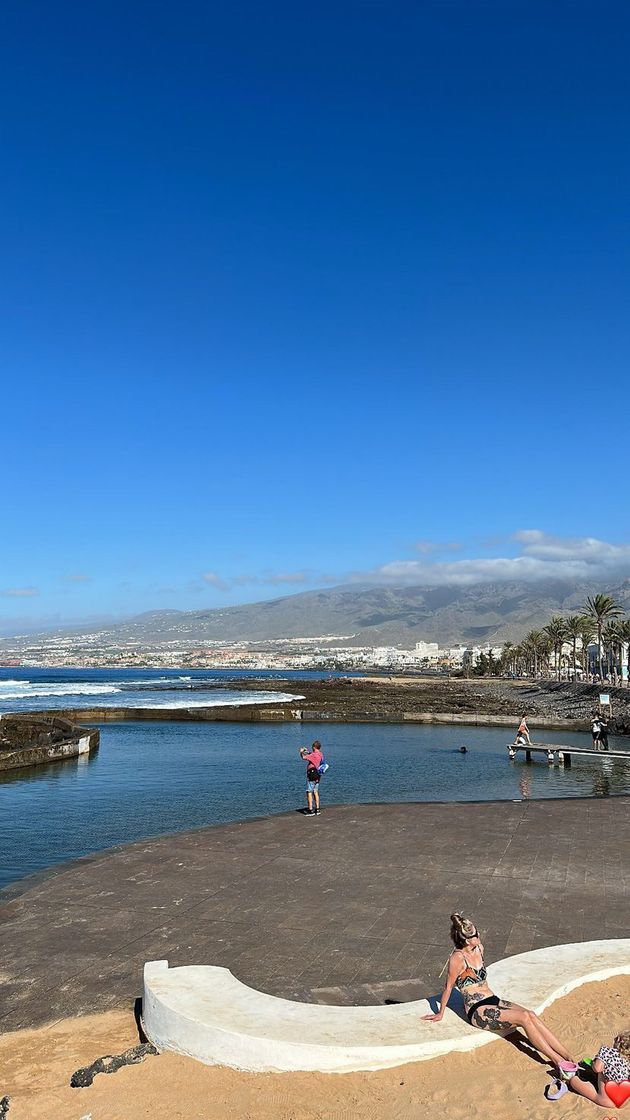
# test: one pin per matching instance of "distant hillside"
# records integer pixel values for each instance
(370, 615)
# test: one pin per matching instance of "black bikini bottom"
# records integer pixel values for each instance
(490, 1001)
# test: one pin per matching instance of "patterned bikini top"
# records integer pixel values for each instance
(471, 975)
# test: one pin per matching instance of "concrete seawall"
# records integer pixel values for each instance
(286, 713)
(34, 738)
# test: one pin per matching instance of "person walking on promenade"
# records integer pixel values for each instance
(484, 1010)
(603, 732)
(313, 760)
(596, 727)
(522, 734)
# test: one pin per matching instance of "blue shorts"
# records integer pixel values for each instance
(312, 787)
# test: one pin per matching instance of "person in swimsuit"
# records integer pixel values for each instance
(484, 1010)
(522, 735)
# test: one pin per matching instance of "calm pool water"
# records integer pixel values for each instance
(149, 778)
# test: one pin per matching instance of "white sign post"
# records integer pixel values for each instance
(604, 704)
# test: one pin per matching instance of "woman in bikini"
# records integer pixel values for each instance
(522, 735)
(467, 973)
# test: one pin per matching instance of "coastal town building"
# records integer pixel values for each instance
(321, 653)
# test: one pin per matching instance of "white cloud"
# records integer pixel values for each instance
(539, 556)
(274, 578)
(426, 548)
(78, 577)
(267, 579)
(288, 577)
(214, 580)
(542, 557)
(586, 549)
(20, 592)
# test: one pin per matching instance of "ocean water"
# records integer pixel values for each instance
(26, 689)
(150, 778)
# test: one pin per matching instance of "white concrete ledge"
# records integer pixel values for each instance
(206, 1013)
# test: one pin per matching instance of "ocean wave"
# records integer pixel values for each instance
(25, 690)
(220, 702)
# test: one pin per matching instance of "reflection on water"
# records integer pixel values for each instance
(149, 778)
(51, 771)
(525, 786)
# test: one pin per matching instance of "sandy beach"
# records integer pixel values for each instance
(497, 1081)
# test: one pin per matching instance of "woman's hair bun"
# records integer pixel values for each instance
(461, 929)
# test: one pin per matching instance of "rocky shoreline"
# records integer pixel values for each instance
(390, 698)
(397, 699)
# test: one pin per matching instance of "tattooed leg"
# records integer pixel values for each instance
(491, 1019)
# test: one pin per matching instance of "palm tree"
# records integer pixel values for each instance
(507, 656)
(587, 633)
(613, 638)
(601, 608)
(531, 648)
(624, 630)
(519, 660)
(574, 625)
(556, 631)
(544, 651)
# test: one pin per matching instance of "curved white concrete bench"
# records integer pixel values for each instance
(206, 1013)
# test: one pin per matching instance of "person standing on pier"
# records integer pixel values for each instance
(522, 735)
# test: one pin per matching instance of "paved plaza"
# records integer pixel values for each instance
(349, 907)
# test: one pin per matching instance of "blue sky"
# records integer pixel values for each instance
(295, 295)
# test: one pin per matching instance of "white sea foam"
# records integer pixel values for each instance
(234, 702)
(152, 682)
(24, 690)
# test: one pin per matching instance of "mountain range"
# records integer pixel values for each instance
(367, 616)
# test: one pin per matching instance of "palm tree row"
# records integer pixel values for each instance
(599, 620)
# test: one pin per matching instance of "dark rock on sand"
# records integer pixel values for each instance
(109, 1064)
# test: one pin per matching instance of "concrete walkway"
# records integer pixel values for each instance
(349, 907)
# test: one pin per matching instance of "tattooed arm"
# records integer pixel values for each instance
(454, 969)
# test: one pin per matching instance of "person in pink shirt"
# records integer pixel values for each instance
(313, 760)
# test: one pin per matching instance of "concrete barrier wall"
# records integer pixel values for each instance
(33, 741)
(258, 713)
(208, 1014)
